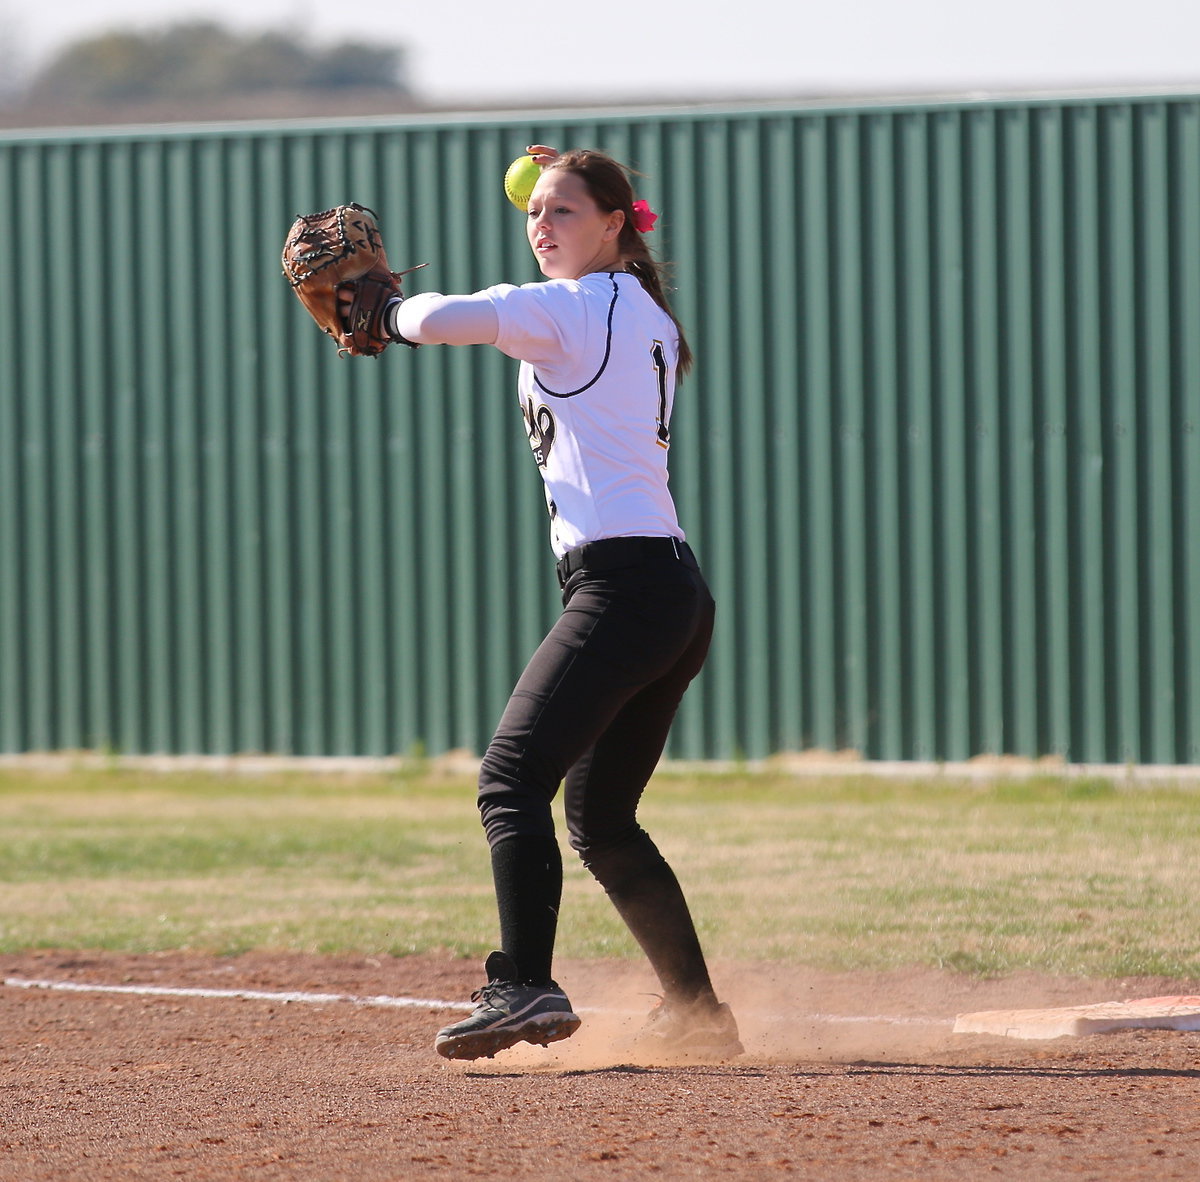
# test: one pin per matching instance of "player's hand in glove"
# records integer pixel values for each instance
(336, 265)
(363, 308)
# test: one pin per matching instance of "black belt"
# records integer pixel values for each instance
(613, 553)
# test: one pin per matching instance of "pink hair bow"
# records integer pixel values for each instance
(643, 217)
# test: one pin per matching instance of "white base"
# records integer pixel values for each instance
(1150, 1013)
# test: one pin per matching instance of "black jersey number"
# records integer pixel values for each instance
(540, 427)
(659, 356)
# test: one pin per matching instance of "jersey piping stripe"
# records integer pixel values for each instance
(607, 351)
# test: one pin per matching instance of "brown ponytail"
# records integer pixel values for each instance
(608, 183)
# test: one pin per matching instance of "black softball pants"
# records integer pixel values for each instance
(591, 712)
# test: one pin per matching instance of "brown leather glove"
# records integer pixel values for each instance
(336, 265)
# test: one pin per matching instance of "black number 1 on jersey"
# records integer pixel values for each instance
(659, 355)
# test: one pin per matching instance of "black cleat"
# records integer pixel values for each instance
(508, 1012)
(702, 1030)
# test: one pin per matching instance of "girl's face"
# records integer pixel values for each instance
(569, 235)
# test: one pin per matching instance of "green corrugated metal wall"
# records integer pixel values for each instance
(940, 454)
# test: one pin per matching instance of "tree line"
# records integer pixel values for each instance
(202, 60)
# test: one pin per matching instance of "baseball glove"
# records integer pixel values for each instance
(335, 263)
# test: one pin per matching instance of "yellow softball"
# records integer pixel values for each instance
(519, 180)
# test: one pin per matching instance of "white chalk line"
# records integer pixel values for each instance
(403, 1003)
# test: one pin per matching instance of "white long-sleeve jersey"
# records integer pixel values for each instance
(596, 388)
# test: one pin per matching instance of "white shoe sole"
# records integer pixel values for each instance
(483, 1044)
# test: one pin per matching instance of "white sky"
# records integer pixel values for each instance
(533, 51)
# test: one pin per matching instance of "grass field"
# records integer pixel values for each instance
(1084, 877)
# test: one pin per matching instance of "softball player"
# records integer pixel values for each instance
(599, 349)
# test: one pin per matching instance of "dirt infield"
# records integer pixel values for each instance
(845, 1077)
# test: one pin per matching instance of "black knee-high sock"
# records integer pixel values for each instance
(648, 897)
(528, 875)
